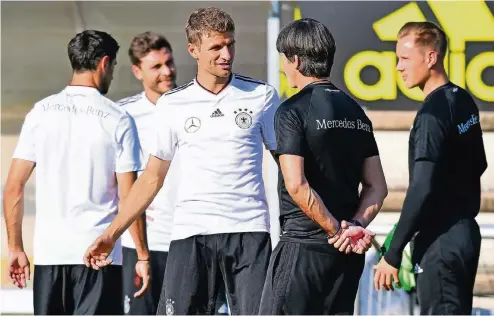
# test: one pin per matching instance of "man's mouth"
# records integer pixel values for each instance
(225, 65)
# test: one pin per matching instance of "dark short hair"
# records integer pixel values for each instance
(88, 47)
(206, 20)
(144, 43)
(312, 42)
(426, 34)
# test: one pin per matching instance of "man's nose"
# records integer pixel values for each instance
(226, 53)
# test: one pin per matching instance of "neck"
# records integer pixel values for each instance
(436, 80)
(304, 81)
(210, 82)
(85, 79)
(151, 95)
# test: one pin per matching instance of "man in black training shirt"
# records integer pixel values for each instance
(325, 150)
(446, 160)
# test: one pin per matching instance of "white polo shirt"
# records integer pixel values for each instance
(220, 141)
(159, 215)
(79, 139)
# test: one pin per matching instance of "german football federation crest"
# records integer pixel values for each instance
(169, 309)
(243, 118)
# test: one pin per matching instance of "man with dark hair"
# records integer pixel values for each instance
(217, 123)
(86, 51)
(152, 64)
(325, 150)
(446, 160)
(85, 149)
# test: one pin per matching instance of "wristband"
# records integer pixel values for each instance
(355, 222)
(337, 232)
(143, 260)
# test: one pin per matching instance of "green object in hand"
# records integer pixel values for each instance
(405, 274)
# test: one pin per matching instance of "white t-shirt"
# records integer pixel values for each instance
(159, 215)
(219, 138)
(79, 139)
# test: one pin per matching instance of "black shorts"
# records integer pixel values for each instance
(148, 302)
(309, 278)
(197, 265)
(77, 290)
(445, 269)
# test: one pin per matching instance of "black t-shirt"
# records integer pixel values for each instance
(332, 133)
(447, 132)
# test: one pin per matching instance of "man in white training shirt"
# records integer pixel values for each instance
(152, 64)
(85, 149)
(217, 123)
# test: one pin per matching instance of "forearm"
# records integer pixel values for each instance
(138, 232)
(413, 209)
(140, 197)
(371, 201)
(312, 205)
(13, 206)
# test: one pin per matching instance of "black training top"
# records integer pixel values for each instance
(332, 133)
(446, 160)
(447, 131)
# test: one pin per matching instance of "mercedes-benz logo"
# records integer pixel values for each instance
(192, 124)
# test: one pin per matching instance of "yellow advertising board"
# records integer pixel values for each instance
(365, 34)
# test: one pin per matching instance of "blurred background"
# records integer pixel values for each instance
(34, 64)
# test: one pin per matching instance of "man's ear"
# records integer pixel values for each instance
(296, 61)
(137, 72)
(432, 59)
(193, 50)
(104, 64)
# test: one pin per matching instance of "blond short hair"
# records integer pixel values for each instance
(205, 21)
(426, 34)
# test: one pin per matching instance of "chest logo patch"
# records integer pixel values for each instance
(243, 118)
(192, 124)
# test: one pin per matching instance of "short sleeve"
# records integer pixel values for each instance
(129, 154)
(371, 144)
(271, 105)
(26, 145)
(165, 140)
(290, 134)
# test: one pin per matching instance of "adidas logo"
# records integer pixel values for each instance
(463, 22)
(417, 269)
(477, 25)
(217, 113)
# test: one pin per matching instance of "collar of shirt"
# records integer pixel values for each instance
(82, 90)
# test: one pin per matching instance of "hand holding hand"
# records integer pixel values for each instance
(352, 238)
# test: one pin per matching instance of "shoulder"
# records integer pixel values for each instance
(51, 99)
(132, 105)
(330, 99)
(111, 105)
(249, 80)
(41, 105)
(181, 95)
(125, 102)
(444, 97)
(112, 111)
(458, 97)
(453, 92)
(332, 94)
(293, 108)
(441, 102)
(296, 102)
(180, 90)
(253, 86)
